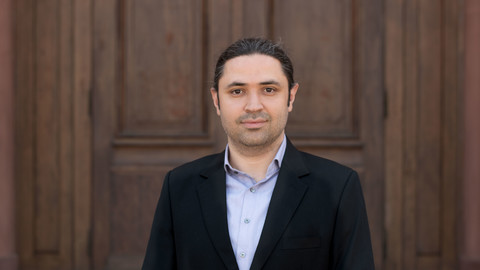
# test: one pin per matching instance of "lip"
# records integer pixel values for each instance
(252, 124)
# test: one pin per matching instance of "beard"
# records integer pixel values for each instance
(254, 138)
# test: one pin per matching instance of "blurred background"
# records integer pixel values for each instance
(99, 99)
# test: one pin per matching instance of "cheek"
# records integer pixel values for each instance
(227, 114)
(278, 107)
(231, 106)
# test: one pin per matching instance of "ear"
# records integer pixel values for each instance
(215, 100)
(293, 92)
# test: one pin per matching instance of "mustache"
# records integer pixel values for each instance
(261, 115)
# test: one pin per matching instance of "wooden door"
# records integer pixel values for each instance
(153, 63)
(147, 65)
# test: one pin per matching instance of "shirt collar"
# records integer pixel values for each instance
(277, 160)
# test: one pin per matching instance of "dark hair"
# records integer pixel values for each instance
(249, 46)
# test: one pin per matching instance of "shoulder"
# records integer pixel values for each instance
(309, 164)
(329, 179)
(319, 172)
(197, 166)
(183, 180)
(330, 167)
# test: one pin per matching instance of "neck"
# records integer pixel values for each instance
(253, 160)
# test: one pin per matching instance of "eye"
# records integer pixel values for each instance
(236, 92)
(269, 90)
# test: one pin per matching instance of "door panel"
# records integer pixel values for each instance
(161, 63)
(321, 44)
(149, 115)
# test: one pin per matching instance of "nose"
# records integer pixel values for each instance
(254, 103)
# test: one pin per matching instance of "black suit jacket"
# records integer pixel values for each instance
(316, 219)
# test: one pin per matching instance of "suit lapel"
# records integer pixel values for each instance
(286, 197)
(212, 196)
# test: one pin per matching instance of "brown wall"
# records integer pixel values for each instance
(470, 232)
(8, 259)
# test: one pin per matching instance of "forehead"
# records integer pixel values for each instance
(254, 68)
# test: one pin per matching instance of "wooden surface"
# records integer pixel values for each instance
(112, 94)
(8, 253)
(422, 68)
(53, 138)
(470, 235)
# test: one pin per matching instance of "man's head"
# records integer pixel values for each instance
(251, 91)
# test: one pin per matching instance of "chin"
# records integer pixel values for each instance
(256, 142)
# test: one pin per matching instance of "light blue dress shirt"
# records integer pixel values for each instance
(247, 205)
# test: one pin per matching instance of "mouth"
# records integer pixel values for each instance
(253, 124)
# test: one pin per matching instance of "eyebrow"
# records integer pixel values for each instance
(270, 82)
(262, 83)
(236, 84)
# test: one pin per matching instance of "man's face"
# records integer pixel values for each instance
(253, 95)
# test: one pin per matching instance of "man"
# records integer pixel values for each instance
(261, 204)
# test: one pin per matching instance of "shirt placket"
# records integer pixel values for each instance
(247, 226)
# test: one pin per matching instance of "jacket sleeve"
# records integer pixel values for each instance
(160, 254)
(352, 248)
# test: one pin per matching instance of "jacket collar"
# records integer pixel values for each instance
(286, 197)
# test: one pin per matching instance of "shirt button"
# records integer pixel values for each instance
(242, 254)
(246, 221)
(252, 190)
